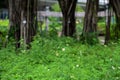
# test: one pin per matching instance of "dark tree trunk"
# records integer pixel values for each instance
(107, 36)
(116, 7)
(28, 17)
(23, 20)
(89, 34)
(14, 17)
(68, 10)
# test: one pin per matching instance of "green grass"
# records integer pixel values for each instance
(4, 22)
(60, 59)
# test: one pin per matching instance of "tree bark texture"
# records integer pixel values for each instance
(116, 7)
(14, 18)
(108, 23)
(68, 10)
(28, 18)
(89, 34)
(23, 20)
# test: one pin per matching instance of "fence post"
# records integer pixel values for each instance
(46, 19)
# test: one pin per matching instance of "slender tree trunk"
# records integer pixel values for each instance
(116, 7)
(107, 36)
(14, 17)
(29, 18)
(68, 10)
(89, 34)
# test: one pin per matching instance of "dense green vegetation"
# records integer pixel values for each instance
(60, 59)
(3, 31)
(56, 58)
(47, 56)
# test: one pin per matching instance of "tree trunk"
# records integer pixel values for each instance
(107, 36)
(14, 18)
(68, 10)
(28, 17)
(116, 7)
(89, 34)
(23, 20)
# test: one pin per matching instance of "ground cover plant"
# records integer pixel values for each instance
(60, 59)
(71, 48)
(3, 31)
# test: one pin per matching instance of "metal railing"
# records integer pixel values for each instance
(59, 14)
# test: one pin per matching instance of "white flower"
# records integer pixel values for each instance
(67, 44)
(77, 65)
(117, 77)
(57, 54)
(48, 69)
(72, 77)
(110, 59)
(63, 49)
(113, 67)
